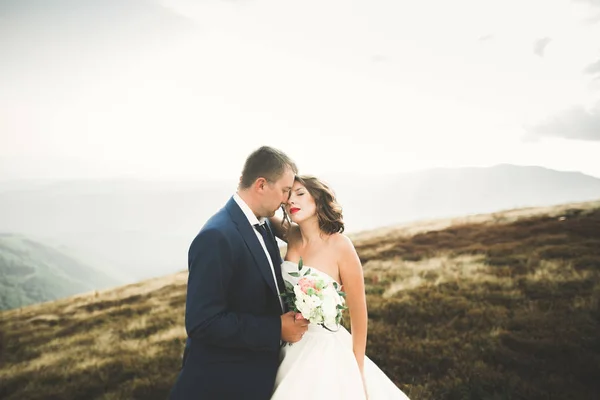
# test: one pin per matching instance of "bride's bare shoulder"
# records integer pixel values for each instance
(347, 257)
(341, 242)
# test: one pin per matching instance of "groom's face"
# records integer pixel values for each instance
(277, 193)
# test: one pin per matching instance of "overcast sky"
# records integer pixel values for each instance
(187, 88)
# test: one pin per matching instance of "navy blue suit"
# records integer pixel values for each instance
(232, 314)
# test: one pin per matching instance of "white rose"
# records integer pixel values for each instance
(298, 292)
(302, 305)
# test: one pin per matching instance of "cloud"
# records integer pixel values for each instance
(379, 58)
(540, 46)
(28, 24)
(593, 20)
(574, 123)
(593, 68)
(89, 15)
(591, 2)
(70, 38)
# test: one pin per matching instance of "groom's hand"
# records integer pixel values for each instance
(292, 329)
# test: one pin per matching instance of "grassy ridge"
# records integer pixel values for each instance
(501, 308)
(490, 311)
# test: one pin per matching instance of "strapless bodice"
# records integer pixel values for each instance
(290, 266)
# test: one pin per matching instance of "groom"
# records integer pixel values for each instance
(234, 319)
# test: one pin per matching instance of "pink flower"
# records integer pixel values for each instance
(306, 283)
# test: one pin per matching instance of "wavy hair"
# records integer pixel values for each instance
(329, 211)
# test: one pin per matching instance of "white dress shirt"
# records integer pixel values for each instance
(253, 220)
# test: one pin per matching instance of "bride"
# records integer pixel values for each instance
(324, 364)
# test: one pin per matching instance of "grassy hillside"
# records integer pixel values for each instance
(503, 306)
(504, 309)
(31, 272)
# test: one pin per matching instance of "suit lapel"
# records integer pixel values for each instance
(249, 236)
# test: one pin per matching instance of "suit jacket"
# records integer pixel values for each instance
(232, 315)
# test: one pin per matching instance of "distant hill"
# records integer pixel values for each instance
(31, 272)
(447, 192)
(500, 306)
(142, 229)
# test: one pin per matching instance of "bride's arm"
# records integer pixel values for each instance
(351, 275)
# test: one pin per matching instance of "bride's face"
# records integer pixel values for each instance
(301, 205)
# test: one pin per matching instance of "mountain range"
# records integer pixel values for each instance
(135, 229)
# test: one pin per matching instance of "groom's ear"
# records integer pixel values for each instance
(260, 183)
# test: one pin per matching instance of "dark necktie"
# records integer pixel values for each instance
(273, 252)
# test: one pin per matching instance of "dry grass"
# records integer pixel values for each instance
(499, 309)
(116, 344)
(500, 217)
(504, 306)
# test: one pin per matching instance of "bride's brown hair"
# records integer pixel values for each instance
(329, 212)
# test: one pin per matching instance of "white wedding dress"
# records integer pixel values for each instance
(322, 365)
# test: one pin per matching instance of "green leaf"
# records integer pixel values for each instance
(307, 272)
(294, 274)
(288, 286)
(300, 264)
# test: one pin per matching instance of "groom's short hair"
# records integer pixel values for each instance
(266, 162)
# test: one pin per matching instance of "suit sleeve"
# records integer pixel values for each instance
(207, 317)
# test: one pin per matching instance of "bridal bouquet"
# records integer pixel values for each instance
(315, 298)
